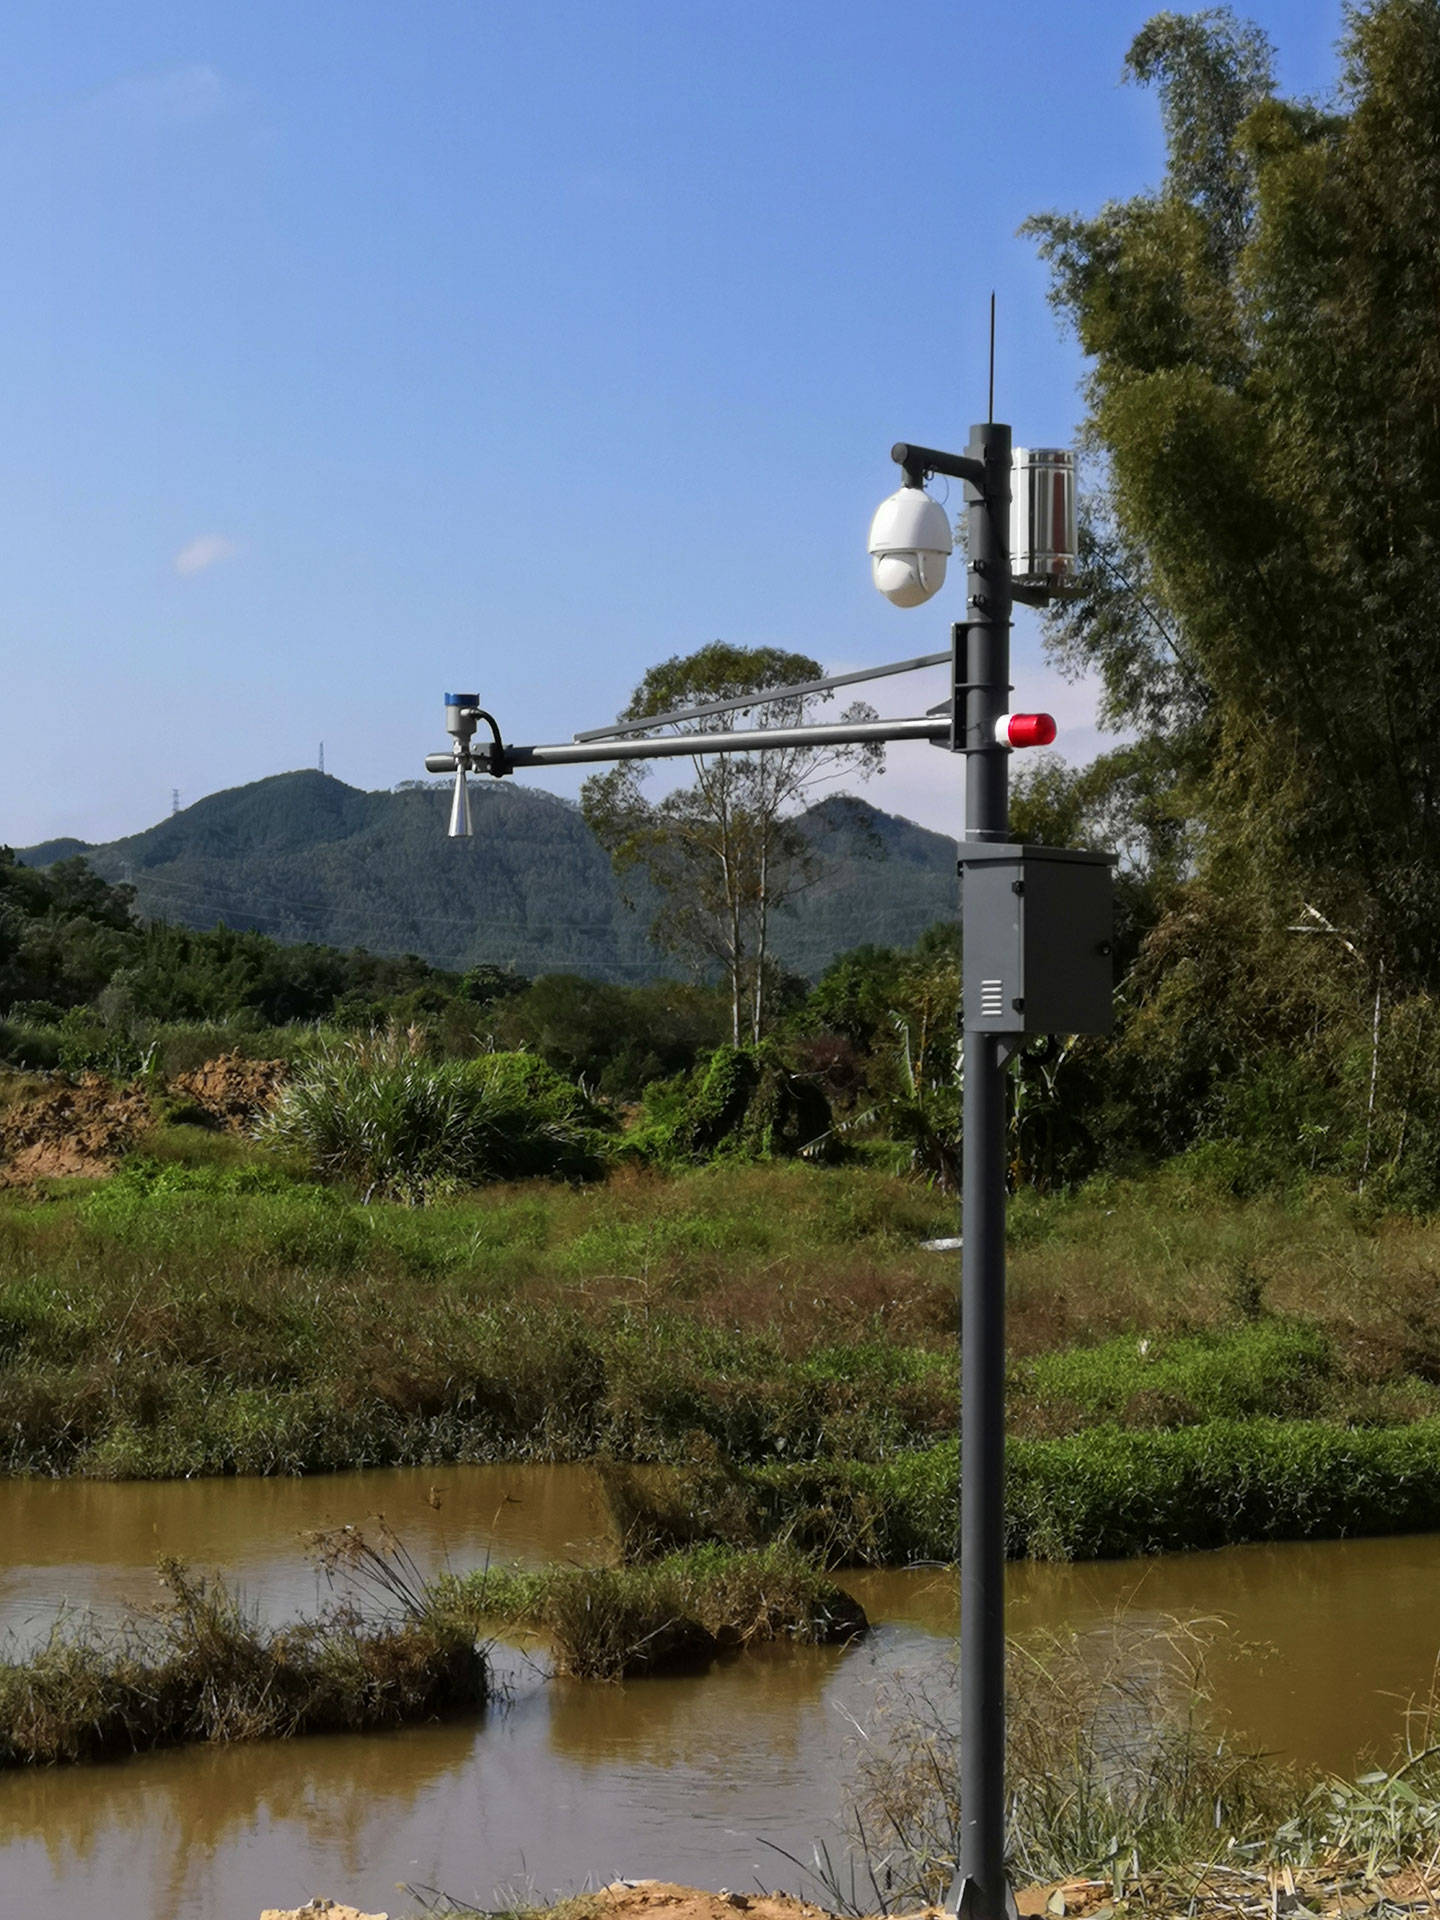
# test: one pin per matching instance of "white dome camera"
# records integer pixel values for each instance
(910, 542)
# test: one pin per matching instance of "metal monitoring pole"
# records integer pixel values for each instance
(982, 677)
(981, 1888)
(1036, 960)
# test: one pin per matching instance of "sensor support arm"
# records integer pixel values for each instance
(917, 463)
(676, 745)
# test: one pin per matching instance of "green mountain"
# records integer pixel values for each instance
(301, 856)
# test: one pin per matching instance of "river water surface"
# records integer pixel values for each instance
(711, 1778)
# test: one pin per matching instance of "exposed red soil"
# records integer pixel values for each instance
(233, 1090)
(84, 1126)
(70, 1128)
(660, 1900)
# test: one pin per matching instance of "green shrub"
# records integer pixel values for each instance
(403, 1126)
(740, 1103)
(23, 1044)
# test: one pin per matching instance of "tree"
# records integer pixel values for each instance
(1265, 392)
(723, 853)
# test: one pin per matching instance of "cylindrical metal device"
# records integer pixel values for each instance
(1042, 515)
(459, 719)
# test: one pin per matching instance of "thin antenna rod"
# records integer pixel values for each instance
(990, 416)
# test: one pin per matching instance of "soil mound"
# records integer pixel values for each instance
(79, 1128)
(57, 1127)
(232, 1090)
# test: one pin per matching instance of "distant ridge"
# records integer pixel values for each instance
(49, 851)
(303, 857)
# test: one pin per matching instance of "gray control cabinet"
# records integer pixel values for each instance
(1037, 928)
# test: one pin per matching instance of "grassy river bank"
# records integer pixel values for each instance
(754, 1355)
(1187, 1369)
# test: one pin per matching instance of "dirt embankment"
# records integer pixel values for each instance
(626, 1900)
(84, 1126)
(1342, 1890)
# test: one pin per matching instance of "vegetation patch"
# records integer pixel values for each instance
(380, 1112)
(201, 1668)
(1123, 1798)
(216, 1318)
(676, 1612)
(1109, 1492)
(1269, 1367)
(740, 1103)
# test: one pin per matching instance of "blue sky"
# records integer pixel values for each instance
(354, 352)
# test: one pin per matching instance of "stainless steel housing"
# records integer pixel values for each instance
(1042, 515)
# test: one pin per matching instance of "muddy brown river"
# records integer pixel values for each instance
(711, 1779)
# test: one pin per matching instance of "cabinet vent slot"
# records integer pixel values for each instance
(992, 999)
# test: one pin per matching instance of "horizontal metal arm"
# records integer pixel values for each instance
(917, 462)
(676, 745)
(764, 697)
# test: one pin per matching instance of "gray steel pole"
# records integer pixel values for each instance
(980, 1891)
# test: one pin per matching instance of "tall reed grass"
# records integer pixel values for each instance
(202, 1668)
(380, 1111)
(1118, 1775)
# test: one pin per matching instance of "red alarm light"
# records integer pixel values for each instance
(1025, 730)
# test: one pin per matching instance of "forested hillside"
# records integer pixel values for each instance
(303, 857)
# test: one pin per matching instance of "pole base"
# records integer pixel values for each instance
(968, 1901)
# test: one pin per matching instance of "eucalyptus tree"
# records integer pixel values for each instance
(722, 853)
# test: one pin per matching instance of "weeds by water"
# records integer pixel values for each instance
(397, 1648)
(1120, 1787)
(202, 1668)
(1102, 1493)
(679, 1611)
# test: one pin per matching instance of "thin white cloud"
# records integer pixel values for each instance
(203, 552)
(177, 94)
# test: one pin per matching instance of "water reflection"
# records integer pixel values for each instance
(683, 1778)
(95, 1543)
(1322, 1645)
(163, 1834)
(751, 1703)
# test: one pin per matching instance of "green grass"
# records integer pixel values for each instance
(210, 1319)
(1108, 1492)
(215, 1315)
(676, 1612)
(1269, 1367)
